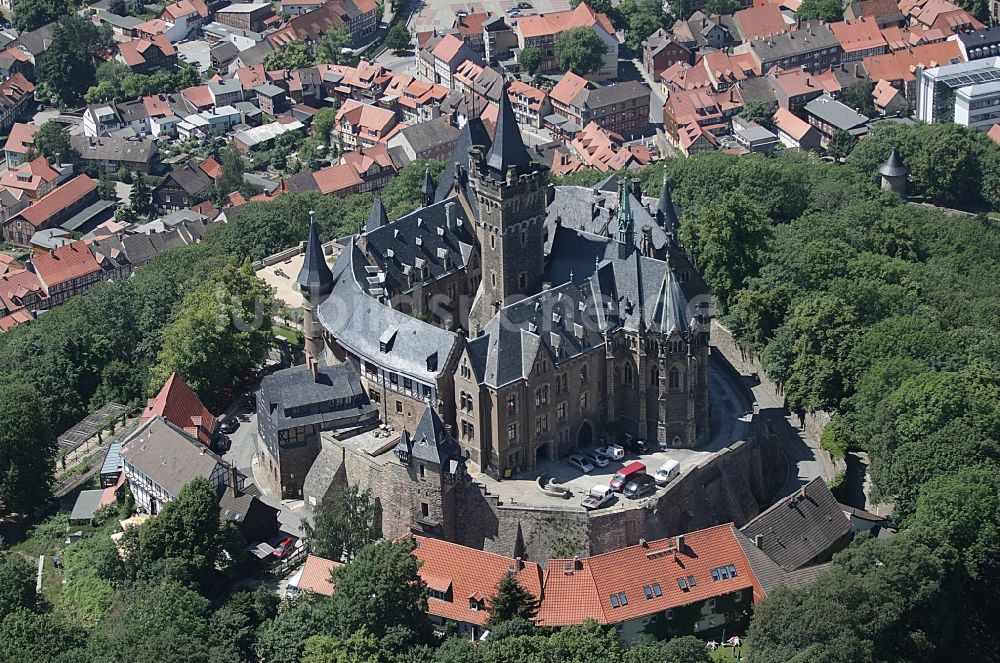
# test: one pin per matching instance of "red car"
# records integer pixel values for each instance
(283, 546)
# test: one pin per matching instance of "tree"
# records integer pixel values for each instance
(282, 639)
(106, 189)
(141, 196)
(27, 448)
(398, 37)
(719, 7)
(17, 584)
(345, 523)
(841, 143)
(402, 195)
(824, 10)
(33, 14)
(726, 239)
(685, 649)
(330, 48)
(757, 110)
(380, 590)
(947, 168)
(102, 91)
(39, 637)
(510, 601)
(52, 141)
(531, 59)
(231, 179)
(66, 68)
(294, 55)
(221, 327)
(580, 50)
(859, 97)
(323, 123)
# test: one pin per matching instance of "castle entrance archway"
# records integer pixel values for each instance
(585, 436)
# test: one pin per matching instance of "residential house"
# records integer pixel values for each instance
(315, 576)
(603, 150)
(722, 70)
(37, 41)
(185, 16)
(17, 97)
(21, 294)
(469, 28)
(462, 581)
(65, 271)
(440, 57)
(35, 178)
(225, 93)
(621, 108)
(245, 16)
(19, 143)
(123, 28)
(359, 17)
(701, 31)
(271, 99)
(692, 118)
(794, 132)
(148, 56)
(51, 209)
(531, 105)
(752, 137)
(182, 186)
(542, 31)
(15, 61)
(177, 403)
(794, 88)
(941, 15)
(213, 122)
(299, 7)
(899, 67)
(112, 153)
(859, 39)
(829, 116)
(12, 201)
(661, 50)
(811, 45)
(499, 40)
(433, 139)
(888, 100)
(222, 54)
(101, 119)
(759, 22)
(686, 584)
(415, 100)
(373, 165)
(362, 125)
(885, 12)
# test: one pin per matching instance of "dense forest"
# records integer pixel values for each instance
(881, 312)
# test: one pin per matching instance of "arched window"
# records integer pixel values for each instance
(583, 373)
(628, 373)
(512, 404)
(654, 375)
(675, 378)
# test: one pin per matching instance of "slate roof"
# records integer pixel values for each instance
(315, 275)
(835, 113)
(426, 136)
(507, 149)
(430, 441)
(377, 217)
(770, 575)
(168, 456)
(86, 505)
(893, 167)
(358, 321)
(473, 133)
(294, 387)
(802, 528)
(191, 178)
(111, 148)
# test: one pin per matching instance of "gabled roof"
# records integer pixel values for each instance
(177, 403)
(583, 16)
(786, 121)
(646, 579)
(430, 441)
(21, 138)
(316, 575)
(797, 530)
(168, 456)
(63, 264)
(760, 22)
(58, 199)
(569, 88)
(462, 573)
(860, 35)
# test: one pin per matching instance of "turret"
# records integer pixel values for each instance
(377, 217)
(427, 189)
(666, 213)
(316, 282)
(894, 173)
(626, 219)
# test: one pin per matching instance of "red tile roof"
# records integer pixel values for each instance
(20, 139)
(760, 22)
(578, 590)
(316, 575)
(16, 53)
(57, 200)
(471, 24)
(567, 88)
(554, 23)
(792, 125)
(448, 48)
(902, 65)
(859, 35)
(366, 120)
(179, 9)
(464, 573)
(178, 404)
(211, 168)
(334, 179)
(64, 263)
(18, 317)
(198, 96)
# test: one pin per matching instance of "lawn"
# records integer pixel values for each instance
(729, 654)
(293, 335)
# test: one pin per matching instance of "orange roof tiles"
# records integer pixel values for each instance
(211, 168)
(198, 96)
(721, 69)
(370, 121)
(575, 591)
(179, 9)
(157, 105)
(994, 133)
(471, 24)
(760, 22)
(901, 65)
(64, 263)
(17, 317)
(333, 179)
(682, 76)
(859, 35)
(16, 53)
(317, 575)
(467, 573)
(531, 96)
(567, 88)
(21, 138)
(177, 403)
(786, 121)
(603, 150)
(448, 48)
(30, 176)
(583, 16)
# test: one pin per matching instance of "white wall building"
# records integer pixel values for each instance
(967, 93)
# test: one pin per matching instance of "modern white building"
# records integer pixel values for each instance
(967, 93)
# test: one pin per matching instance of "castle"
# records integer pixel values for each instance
(506, 321)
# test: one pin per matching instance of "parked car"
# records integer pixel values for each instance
(638, 486)
(625, 474)
(597, 459)
(597, 497)
(284, 546)
(222, 443)
(512, 10)
(612, 451)
(516, 13)
(524, 5)
(229, 426)
(667, 472)
(638, 446)
(580, 463)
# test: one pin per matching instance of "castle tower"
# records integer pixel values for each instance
(666, 213)
(510, 195)
(894, 174)
(316, 282)
(427, 189)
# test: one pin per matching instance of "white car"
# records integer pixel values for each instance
(581, 463)
(612, 451)
(596, 459)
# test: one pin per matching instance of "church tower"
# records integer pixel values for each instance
(510, 195)
(316, 282)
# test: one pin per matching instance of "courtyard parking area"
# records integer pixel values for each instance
(440, 14)
(731, 410)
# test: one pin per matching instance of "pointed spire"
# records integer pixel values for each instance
(315, 277)
(894, 167)
(666, 214)
(508, 148)
(377, 217)
(669, 313)
(427, 189)
(626, 220)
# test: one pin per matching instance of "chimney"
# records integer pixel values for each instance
(233, 480)
(680, 542)
(577, 564)
(451, 219)
(642, 542)
(759, 541)
(447, 431)
(520, 563)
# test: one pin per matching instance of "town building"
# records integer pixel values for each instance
(433, 139)
(830, 116)
(967, 93)
(65, 271)
(51, 209)
(622, 108)
(812, 46)
(111, 153)
(359, 125)
(441, 57)
(20, 142)
(147, 56)
(794, 132)
(245, 15)
(979, 44)
(859, 39)
(17, 96)
(661, 50)
(542, 31)
(182, 187)
(177, 403)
